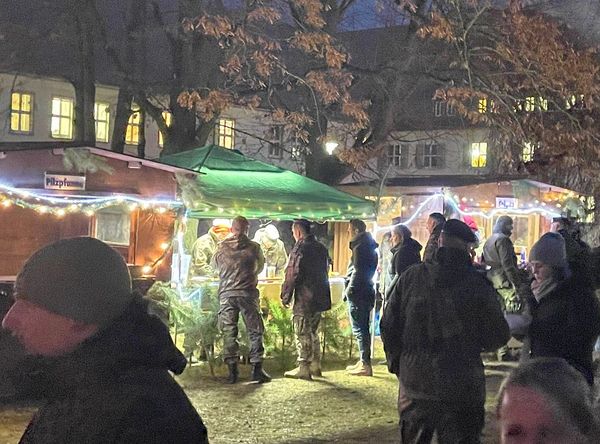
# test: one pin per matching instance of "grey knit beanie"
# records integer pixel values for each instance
(550, 250)
(80, 278)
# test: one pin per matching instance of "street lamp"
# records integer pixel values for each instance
(330, 146)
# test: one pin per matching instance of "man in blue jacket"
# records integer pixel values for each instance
(360, 293)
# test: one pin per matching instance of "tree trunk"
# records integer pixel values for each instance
(84, 85)
(121, 118)
(141, 146)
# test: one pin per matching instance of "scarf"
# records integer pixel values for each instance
(542, 289)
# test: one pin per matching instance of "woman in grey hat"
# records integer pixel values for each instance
(564, 310)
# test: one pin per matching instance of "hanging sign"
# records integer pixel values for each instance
(54, 181)
(506, 203)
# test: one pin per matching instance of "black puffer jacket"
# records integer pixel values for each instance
(565, 324)
(437, 320)
(116, 388)
(405, 255)
(306, 277)
(359, 279)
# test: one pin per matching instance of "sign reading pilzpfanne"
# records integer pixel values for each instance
(54, 181)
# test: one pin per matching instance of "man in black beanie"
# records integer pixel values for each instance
(107, 379)
(437, 320)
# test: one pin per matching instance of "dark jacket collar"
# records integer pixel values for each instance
(363, 238)
(137, 340)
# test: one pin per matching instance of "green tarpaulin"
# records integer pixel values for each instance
(232, 184)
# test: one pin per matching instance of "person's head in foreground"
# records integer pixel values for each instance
(66, 292)
(106, 379)
(546, 401)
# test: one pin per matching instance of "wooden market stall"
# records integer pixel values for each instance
(48, 193)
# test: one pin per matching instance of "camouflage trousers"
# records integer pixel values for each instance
(229, 315)
(308, 344)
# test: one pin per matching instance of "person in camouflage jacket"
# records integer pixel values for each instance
(238, 261)
(306, 285)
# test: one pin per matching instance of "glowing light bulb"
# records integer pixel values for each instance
(161, 210)
(42, 210)
(164, 245)
(6, 203)
(146, 269)
(61, 212)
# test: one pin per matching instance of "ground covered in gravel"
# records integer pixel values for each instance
(334, 409)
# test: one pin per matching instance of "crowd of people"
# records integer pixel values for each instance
(439, 315)
(108, 378)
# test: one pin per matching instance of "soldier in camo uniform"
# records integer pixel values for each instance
(238, 261)
(307, 286)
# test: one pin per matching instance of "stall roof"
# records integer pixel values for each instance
(233, 184)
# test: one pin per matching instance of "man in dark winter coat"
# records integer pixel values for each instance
(437, 320)
(306, 284)
(360, 292)
(107, 379)
(434, 226)
(405, 251)
(238, 261)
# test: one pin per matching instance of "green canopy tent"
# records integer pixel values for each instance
(233, 184)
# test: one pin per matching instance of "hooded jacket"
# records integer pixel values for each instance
(306, 277)
(359, 278)
(238, 261)
(499, 255)
(404, 255)
(437, 320)
(116, 388)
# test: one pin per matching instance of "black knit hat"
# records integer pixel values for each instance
(459, 229)
(80, 278)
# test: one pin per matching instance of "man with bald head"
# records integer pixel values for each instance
(238, 261)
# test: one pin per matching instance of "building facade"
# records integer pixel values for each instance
(42, 109)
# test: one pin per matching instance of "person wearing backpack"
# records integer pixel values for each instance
(437, 320)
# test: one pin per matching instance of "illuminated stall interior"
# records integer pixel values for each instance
(531, 204)
(230, 184)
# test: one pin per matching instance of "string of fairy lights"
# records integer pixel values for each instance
(60, 206)
(455, 203)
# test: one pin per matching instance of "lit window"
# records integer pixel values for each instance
(397, 155)
(430, 156)
(528, 152)
(535, 104)
(61, 123)
(482, 106)
(167, 116)
(479, 155)
(438, 109)
(102, 118)
(134, 126)
(21, 107)
(225, 136)
(575, 102)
